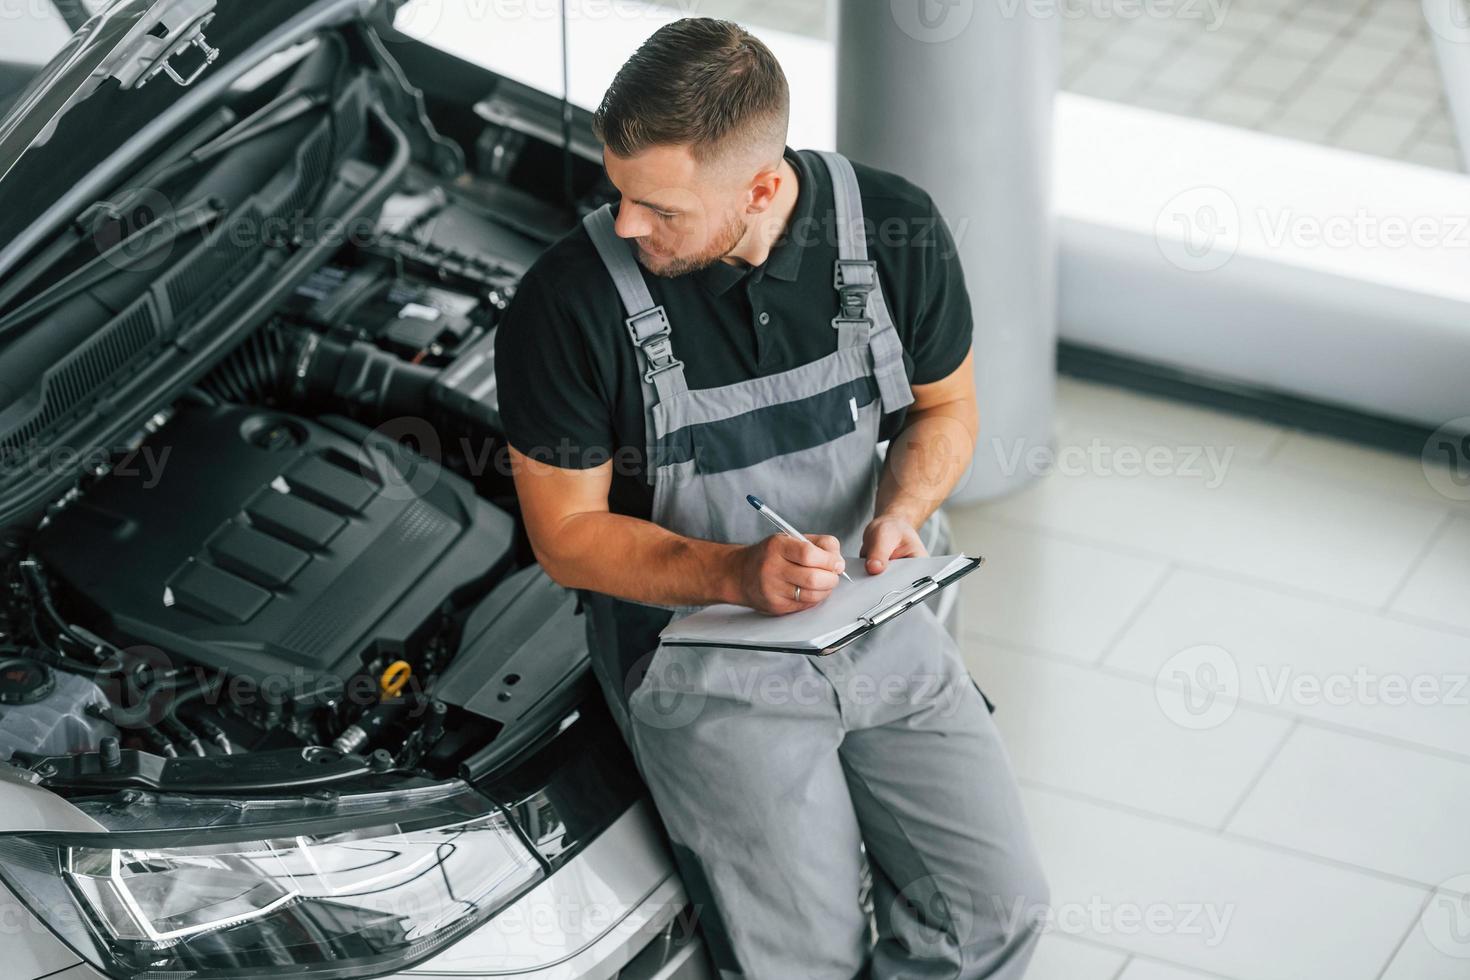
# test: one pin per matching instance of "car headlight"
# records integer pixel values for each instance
(336, 902)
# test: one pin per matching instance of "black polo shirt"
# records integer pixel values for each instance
(568, 375)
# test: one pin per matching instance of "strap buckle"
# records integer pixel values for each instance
(650, 331)
(854, 279)
(855, 274)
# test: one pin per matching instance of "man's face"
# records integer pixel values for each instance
(682, 215)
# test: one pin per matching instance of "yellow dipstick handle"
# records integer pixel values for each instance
(395, 678)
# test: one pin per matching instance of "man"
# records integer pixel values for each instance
(733, 328)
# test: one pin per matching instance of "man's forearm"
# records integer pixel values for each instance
(926, 460)
(638, 560)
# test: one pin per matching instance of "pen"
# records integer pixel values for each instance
(780, 522)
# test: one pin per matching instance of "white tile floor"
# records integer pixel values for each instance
(1238, 701)
(1357, 74)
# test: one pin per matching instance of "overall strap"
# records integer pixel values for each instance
(647, 323)
(863, 316)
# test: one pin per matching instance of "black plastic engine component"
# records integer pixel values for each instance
(521, 644)
(286, 769)
(24, 681)
(461, 242)
(367, 729)
(279, 550)
(467, 387)
(302, 367)
(418, 320)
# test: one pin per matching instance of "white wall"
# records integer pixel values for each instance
(1355, 319)
(30, 32)
(521, 39)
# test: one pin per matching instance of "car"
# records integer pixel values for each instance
(283, 691)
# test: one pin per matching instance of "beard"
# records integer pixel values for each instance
(730, 234)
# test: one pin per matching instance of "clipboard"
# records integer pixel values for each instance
(893, 603)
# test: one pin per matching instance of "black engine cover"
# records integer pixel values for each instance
(272, 547)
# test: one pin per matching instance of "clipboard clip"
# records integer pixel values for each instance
(884, 609)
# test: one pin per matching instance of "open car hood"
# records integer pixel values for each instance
(119, 84)
(130, 42)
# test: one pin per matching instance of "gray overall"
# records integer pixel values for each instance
(769, 770)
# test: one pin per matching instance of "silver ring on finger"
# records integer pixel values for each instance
(798, 593)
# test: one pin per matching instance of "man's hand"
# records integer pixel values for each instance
(887, 538)
(770, 571)
(923, 464)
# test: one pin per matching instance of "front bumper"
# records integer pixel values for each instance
(589, 920)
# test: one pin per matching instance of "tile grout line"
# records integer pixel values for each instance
(1423, 622)
(1327, 598)
(1429, 545)
(1197, 101)
(1393, 954)
(1314, 58)
(1128, 431)
(1277, 444)
(1350, 38)
(1315, 65)
(1279, 104)
(1120, 428)
(1071, 537)
(1234, 838)
(1379, 738)
(971, 633)
(1172, 52)
(1426, 121)
(1129, 956)
(1091, 53)
(1187, 967)
(1154, 589)
(1255, 707)
(1267, 465)
(1305, 471)
(1260, 774)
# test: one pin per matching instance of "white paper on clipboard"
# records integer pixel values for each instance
(865, 603)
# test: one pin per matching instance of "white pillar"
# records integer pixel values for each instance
(956, 95)
(1449, 25)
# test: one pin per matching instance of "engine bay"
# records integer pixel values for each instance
(306, 568)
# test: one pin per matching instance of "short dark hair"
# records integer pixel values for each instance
(696, 82)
